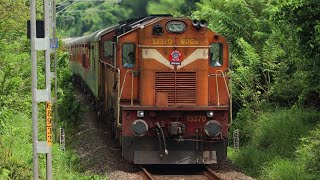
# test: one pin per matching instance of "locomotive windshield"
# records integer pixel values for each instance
(128, 55)
(216, 55)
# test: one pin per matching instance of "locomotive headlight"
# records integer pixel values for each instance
(140, 113)
(139, 127)
(210, 113)
(176, 26)
(212, 128)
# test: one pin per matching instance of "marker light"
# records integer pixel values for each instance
(210, 113)
(140, 113)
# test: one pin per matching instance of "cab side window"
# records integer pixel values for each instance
(108, 49)
(216, 55)
(128, 55)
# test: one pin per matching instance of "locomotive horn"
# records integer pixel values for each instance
(203, 23)
(195, 22)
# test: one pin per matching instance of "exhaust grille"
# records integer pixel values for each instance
(180, 86)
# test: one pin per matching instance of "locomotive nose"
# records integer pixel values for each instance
(212, 128)
(139, 127)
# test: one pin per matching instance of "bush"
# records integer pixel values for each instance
(281, 169)
(279, 131)
(275, 135)
(250, 159)
(309, 152)
(243, 121)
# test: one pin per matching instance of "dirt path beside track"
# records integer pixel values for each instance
(97, 151)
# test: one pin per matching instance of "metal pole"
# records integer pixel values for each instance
(48, 80)
(55, 124)
(34, 88)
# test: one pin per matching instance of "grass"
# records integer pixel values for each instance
(284, 169)
(16, 154)
(16, 161)
(279, 140)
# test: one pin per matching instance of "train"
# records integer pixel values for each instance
(161, 84)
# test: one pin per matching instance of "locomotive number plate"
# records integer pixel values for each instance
(162, 41)
(196, 118)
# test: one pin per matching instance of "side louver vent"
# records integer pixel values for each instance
(180, 86)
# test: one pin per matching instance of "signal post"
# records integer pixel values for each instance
(47, 45)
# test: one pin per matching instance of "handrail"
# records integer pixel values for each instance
(124, 80)
(118, 99)
(230, 99)
(118, 95)
(217, 85)
(228, 90)
(107, 64)
(224, 79)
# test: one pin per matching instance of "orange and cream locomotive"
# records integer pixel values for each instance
(161, 84)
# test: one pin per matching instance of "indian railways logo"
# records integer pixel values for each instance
(175, 58)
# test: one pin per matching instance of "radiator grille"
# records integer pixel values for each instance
(180, 86)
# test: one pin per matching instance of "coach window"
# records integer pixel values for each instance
(216, 55)
(84, 62)
(108, 49)
(128, 55)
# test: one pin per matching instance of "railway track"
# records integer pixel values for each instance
(207, 173)
(210, 174)
(146, 175)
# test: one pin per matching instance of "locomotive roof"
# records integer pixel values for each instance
(89, 38)
(122, 28)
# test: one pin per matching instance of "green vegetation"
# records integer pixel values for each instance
(80, 18)
(275, 54)
(15, 101)
(275, 64)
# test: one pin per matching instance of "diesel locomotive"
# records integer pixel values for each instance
(161, 84)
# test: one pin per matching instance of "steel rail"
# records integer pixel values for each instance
(145, 174)
(210, 174)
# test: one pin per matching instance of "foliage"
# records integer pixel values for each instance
(308, 152)
(274, 128)
(274, 137)
(81, 18)
(16, 161)
(281, 169)
(15, 100)
(69, 108)
(165, 7)
(14, 68)
(303, 17)
(275, 63)
(274, 49)
(250, 159)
